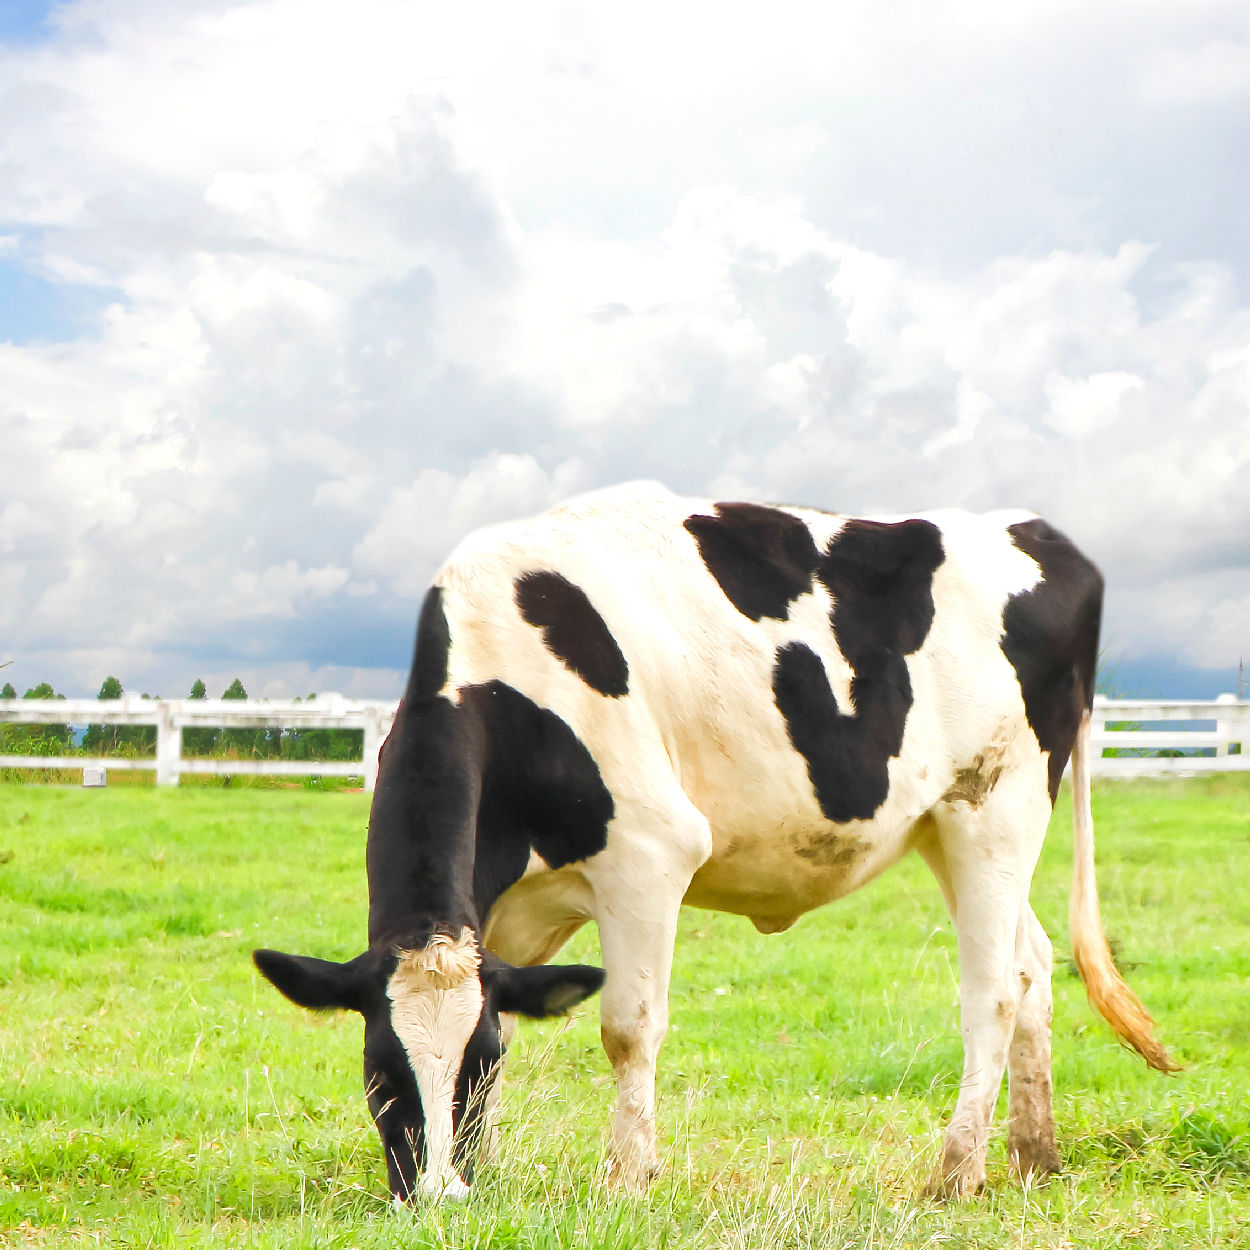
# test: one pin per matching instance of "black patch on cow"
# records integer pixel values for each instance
(880, 577)
(573, 631)
(541, 788)
(762, 558)
(1050, 635)
(829, 741)
(478, 1068)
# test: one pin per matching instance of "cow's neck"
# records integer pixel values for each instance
(422, 825)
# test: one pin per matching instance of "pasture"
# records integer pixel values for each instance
(155, 1092)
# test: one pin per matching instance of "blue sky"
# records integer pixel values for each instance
(293, 296)
(35, 310)
(22, 21)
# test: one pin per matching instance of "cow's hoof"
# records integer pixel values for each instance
(1034, 1162)
(632, 1176)
(953, 1188)
(959, 1178)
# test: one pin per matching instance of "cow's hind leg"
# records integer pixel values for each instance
(1031, 1128)
(983, 857)
(638, 883)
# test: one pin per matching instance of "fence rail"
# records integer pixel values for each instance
(171, 716)
(1229, 715)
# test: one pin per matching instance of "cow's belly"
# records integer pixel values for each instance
(775, 854)
(775, 874)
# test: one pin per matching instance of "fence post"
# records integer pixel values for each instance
(1224, 725)
(168, 747)
(1097, 731)
(373, 744)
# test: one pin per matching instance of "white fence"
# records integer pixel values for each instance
(172, 716)
(1229, 715)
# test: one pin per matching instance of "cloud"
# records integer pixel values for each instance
(1080, 406)
(1215, 71)
(280, 590)
(423, 521)
(370, 282)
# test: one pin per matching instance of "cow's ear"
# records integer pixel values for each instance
(315, 983)
(543, 991)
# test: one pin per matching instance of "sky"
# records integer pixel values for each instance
(293, 295)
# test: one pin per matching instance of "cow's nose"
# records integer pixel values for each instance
(451, 1187)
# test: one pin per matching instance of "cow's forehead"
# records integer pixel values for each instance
(436, 1002)
(435, 1025)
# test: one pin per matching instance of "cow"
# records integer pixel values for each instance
(637, 702)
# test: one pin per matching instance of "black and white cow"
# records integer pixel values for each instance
(637, 702)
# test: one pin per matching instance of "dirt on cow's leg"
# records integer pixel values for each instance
(634, 1161)
(1031, 1121)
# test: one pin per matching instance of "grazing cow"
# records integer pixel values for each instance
(637, 702)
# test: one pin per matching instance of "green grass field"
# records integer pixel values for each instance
(156, 1093)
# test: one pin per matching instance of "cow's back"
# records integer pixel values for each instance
(814, 683)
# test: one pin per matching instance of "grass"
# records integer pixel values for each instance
(120, 775)
(154, 1092)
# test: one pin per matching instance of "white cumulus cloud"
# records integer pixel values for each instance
(421, 522)
(306, 294)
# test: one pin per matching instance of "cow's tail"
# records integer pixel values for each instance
(1116, 1003)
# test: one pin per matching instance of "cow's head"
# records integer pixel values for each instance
(432, 1041)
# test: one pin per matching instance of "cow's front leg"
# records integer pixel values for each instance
(638, 892)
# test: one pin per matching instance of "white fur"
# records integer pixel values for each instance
(436, 1001)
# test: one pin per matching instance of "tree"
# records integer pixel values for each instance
(109, 739)
(101, 739)
(10, 735)
(199, 741)
(37, 739)
(245, 741)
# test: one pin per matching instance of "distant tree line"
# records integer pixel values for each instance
(293, 744)
(119, 739)
(34, 739)
(287, 744)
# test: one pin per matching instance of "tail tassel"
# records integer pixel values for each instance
(1107, 990)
